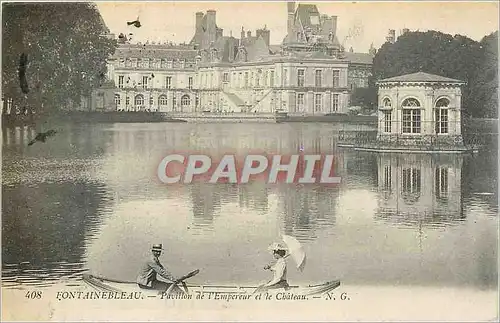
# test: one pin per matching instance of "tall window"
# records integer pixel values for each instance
(117, 100)
(144, 82)
(318, 102)
(271, 80)
(151, 101)
(300, 77)
(387, 121)
(174, 103)
(139, 100)
(163, 63)
(441, 182)
(335, 105)
(225, 77)
(120, 81)
(387, 178)
(411, 116)
(185, 100)
(336, 78)
(127, 101)
(168, 82)
(246, 79)
(318, 78)
(441, 115)
(162, 100)
(285, 77)
(300, 101)
(190, 82)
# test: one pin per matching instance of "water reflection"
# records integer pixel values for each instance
(112, 207)
(419, 189)
(45, 229)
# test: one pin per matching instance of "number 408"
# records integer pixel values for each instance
(34, 294)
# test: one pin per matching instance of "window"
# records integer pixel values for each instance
(335, 106)
(185, 100)
(144, 82)
(120, 81)
(162, 63)
(168, 82)
(336, 78)
(151, 102)
(139, 100)
(387, 121)
(246, 79)
(318, 102)
(300, 77)
(190, 82)
(441, 116)
(300, 101)
(127, 101)
(170, 63)
(138, 63)
(182, 63)
(225, 77)
(318, 78)
(387, 178)
(411, 116)
(411, 180)
(162, 100)
(271, 81)
(441, 182)
(117, 100)
(285, 77)
(174, 103)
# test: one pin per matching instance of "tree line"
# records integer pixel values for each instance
(53, 54)
(434, 52)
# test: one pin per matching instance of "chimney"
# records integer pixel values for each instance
(265, 33)
(249, 34)
(199, 19)
(334, 25)
(290, 19)
(211, 26)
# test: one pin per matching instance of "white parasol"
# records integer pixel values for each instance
(296, 251)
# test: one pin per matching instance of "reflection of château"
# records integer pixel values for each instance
(420, 187)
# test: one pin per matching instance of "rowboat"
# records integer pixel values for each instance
(101, 284)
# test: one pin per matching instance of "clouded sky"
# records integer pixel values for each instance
(175, 20)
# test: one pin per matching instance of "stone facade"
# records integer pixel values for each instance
(308, 74)
(420, 109)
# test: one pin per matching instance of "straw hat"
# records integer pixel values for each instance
(157, 247)
(277, 246)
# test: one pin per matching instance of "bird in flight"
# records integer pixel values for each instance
(42, 136)
(136, 23)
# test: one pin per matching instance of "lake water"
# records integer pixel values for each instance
(89, 200)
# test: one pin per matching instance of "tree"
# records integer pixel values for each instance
(364, 97)
(484, 89)
(433, 52)
(67, 48)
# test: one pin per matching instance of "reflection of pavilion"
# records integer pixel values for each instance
(420, 188)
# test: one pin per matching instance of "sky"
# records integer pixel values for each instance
(359, 23)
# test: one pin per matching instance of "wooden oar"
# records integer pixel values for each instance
(180, 280)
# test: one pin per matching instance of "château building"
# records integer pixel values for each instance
(308, 74)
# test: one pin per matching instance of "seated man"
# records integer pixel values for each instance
(147, 276)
